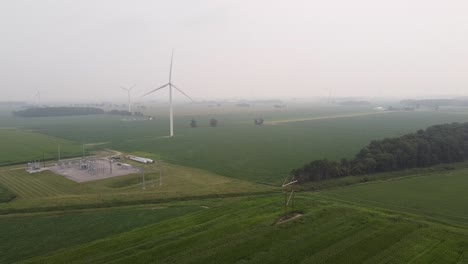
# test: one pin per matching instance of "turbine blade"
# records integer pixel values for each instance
(170, 68)
(131, 87)
(182, 92)
(159, 88)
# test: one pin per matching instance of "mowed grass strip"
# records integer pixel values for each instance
(6, 194)
(243, 231)
(37, 185)
(442, 195)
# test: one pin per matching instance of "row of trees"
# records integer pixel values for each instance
(58, 111)
(213, 123)
(70, 111)
(437, 144)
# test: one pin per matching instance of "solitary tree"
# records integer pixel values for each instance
(193, 123)
(258, 121)
(213, 122)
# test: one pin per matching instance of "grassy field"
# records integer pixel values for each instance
(28, 236)
(48, 190)
(440, 195)
(418, 218)
(243, 231)
(5, 194)
(239, 149)
(23, 146)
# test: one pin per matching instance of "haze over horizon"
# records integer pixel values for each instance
(85, 50)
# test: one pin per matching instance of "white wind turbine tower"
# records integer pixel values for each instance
(38, 97)
(171, 85)
(129, 97)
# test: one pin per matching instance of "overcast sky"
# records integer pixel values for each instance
(86, 49)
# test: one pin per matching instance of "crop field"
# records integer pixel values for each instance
(243, 231)
(267, 154)
(439, 195)
(219, 201)
(23, 146)
(28, 236)
(238, 148)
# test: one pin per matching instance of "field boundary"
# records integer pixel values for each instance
(323, 117)
(121, 203)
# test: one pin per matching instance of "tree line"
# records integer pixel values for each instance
(437, 144)
(58, 111)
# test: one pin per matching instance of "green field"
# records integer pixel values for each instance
(243, 231)
(220, 199)
(5, 194)
(28, 236)
(239, 149)
(47, 190)
(439, 195)
(23, 146)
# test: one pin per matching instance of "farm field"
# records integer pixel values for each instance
(28, 236)
(267, 154)
(23, 146)
(239, 149)
(219, 200)
(244, 231)
(439, 195)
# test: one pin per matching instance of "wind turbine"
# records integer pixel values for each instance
(171, 85)
(129, 98)
(38, 97)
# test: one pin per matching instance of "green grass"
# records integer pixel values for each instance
(417, 219)
(28, 236)
(44, 184)
(239, 149)
(5, 194)
(441, 195)
(49, 190)
(18, 146)
(243, 231)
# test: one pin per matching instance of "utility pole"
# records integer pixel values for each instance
(289, 199)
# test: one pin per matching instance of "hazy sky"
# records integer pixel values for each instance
(86, 49)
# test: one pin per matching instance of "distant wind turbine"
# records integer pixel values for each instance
(171, 85)
(38, 97)
(129, 97)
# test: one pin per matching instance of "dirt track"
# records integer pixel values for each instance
(322, 118)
